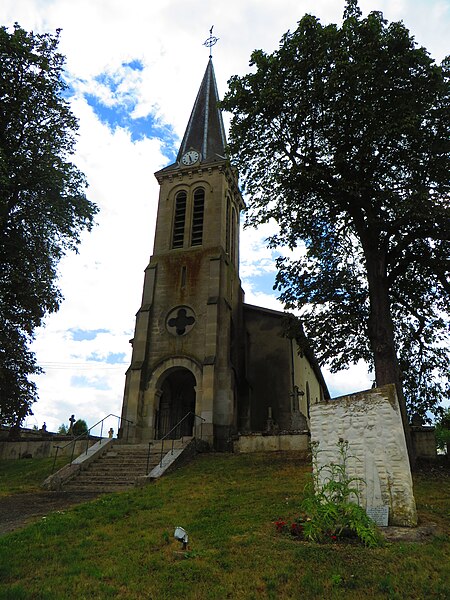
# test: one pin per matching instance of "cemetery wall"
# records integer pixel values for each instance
(10, 450)
(257, 442)
(424, 442)
(371, 423)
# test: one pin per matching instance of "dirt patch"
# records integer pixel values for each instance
(422, 533)
(21, 509)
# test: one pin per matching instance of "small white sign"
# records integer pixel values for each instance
(379, 514)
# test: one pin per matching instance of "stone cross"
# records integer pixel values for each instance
(71, 421)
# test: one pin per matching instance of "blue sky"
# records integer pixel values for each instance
(133, 70)
(114, 101)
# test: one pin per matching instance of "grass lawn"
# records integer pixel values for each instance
(121, 545)
(26, 475)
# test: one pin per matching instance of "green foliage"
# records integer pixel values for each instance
(442, 431)
(63, 429)
(341, 137)
(80, 427)
(43, 207)
(331, 506)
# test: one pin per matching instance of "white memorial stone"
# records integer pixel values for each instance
(371, 423)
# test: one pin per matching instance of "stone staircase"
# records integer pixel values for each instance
(121, 467)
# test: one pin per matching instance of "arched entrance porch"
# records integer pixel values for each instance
(177, 398)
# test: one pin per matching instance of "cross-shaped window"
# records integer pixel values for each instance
(180, 321)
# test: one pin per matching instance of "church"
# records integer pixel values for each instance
(200, 354)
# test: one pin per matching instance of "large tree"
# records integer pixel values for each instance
(341, 137)
(43, 207)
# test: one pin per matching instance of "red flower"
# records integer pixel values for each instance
(280, 524)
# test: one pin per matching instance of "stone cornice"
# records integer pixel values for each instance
(177, 173)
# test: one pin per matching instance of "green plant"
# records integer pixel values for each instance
(331, 506)
(442, 432)
(79, 427)
(336, 580)
(191, 554)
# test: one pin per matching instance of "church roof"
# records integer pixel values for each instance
(205, 131)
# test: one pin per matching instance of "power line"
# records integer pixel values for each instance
(82, 366)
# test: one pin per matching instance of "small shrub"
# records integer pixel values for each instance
(331, 510)
(442, 432)
(333, 506)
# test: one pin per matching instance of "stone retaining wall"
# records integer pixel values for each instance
(28, 448)
(258, 442)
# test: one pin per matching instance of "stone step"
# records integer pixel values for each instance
(117, 470)
(98, 488)
(82, 480)
(111, 461)
(94, 483)
(128, 457)
(91, 473)
(121, 466)
(111, 467)
(154, 444)
(128, 463)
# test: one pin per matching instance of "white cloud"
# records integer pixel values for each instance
(355, 378)
(102, 285)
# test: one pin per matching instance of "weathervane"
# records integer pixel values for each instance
(211, 41)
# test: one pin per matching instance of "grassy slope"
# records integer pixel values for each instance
(19, 476)
(121, 546)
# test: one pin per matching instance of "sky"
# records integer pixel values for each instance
(134, 68)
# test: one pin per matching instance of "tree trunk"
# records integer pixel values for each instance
(381, 337)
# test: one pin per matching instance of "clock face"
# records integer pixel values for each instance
(190, 157)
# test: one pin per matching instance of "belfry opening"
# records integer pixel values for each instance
(177, 400)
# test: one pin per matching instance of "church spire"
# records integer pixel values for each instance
(205, 131)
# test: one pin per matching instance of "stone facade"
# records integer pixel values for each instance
(194, 286)
(371, 423)
(197, 347)
(282, 380)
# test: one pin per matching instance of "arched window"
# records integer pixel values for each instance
(198, 210)
(308, 399)
(179, 220)
(227, 227)
(234, 226)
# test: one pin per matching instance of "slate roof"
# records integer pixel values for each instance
(205, 131)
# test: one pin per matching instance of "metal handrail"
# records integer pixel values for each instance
(175, 427)
(148, 457)
(173, 440)
(86, 433)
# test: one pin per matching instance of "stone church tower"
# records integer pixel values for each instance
(191, 343)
